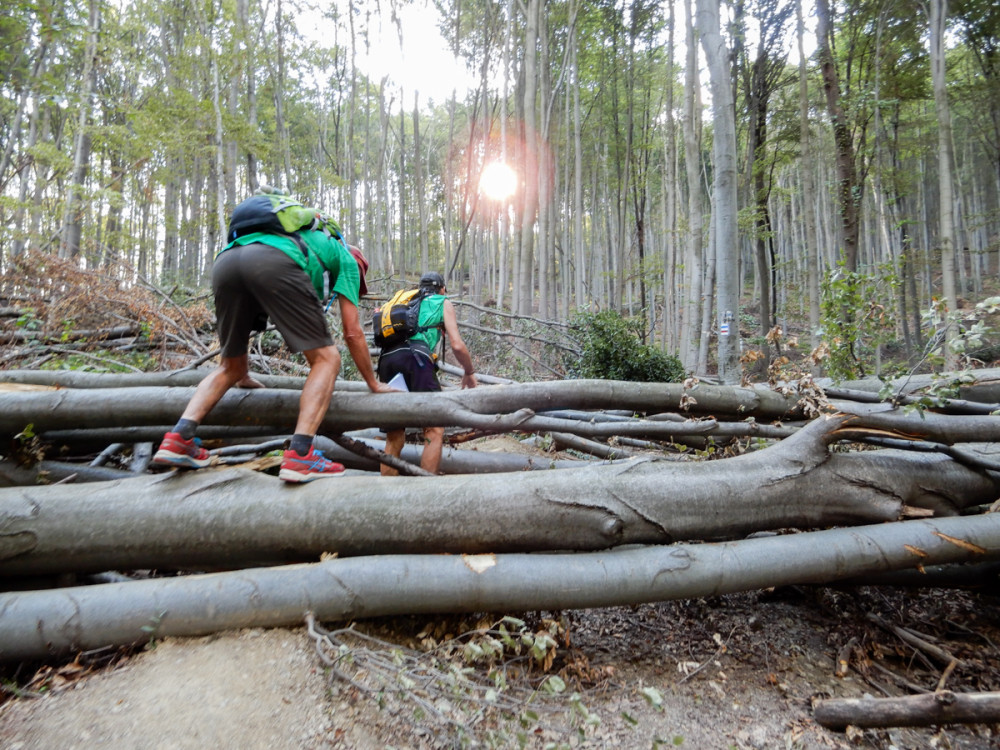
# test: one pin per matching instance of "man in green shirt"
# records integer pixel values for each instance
(414, 361)
(265, 275)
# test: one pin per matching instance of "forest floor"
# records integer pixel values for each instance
(740, 671)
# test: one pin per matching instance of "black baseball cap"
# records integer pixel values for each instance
(433, 279)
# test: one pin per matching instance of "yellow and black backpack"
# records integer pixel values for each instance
(396, 321)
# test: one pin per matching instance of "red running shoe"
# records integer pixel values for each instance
(176, 451)
(298, 468)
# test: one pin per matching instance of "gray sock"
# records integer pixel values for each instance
(301, 443)
(186, 428)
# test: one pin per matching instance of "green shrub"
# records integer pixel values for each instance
(611, 349)
(856, 319)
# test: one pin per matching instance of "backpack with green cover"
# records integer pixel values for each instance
(274, 212)
(396, 321)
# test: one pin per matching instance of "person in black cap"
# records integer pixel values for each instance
(415, 361)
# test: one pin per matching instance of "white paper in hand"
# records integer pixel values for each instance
(398, 382)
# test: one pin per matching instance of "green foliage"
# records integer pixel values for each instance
(28, 321)
(969, 336)
(856, 319)
(612, 350)
(110, 362)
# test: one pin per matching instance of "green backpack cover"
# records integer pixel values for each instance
(274, 212)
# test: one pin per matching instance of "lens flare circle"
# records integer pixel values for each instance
(498, 181)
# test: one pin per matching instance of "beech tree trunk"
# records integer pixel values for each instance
(937, 17)
(848, 187)
(36, 624)
(692, 333)
(224, 518)
(724, 214)
(73, 219)
(498, 408)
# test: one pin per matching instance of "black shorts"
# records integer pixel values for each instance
(414, 363)
(252, 281)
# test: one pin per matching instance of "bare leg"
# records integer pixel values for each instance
(324, 364)
(214, 387)
(430, 459)
(394, 440)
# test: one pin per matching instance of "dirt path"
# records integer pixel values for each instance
(251, 689)
(734, 672)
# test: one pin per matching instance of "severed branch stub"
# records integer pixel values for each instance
(942, 707)
(844, 658)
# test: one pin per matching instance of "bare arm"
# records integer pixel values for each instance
(458, 346)
(354, 337)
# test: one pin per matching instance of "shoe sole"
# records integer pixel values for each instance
(294, 477)
(181, 460)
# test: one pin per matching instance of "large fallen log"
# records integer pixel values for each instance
(930, 709)
(232, 518)
(12, 475)
(501, 407)
(493, 409)
(977, 385)
(173, 378)
(41, 623)
(453, 460)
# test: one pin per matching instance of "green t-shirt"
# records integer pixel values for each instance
(431, 314)
(326, 255)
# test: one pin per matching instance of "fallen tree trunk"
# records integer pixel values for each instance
(501, 407)
(233, 518)
(985, 385)
(173, 378)
(494, 409)
(930, 709)
(12, 475)
(453, 461)
(96, 334)
(42, 623)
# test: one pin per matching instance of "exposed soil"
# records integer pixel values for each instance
(739, 671)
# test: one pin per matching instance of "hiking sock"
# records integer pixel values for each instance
(186, 428)
(301, 443)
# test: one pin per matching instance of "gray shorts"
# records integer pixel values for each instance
(257, 280)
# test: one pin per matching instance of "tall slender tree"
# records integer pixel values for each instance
(724, 189)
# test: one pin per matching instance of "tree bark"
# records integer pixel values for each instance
(849, 189)
(453, 460)
(483, 408)
(985, 388)
(73, 218)
(938, 16)
(212, 518)
(42, 623)
(942, 707)
(692, 333)
(724, 189)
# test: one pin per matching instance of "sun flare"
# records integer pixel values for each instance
(498, 181)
